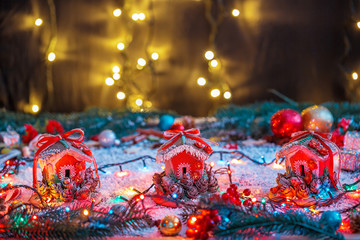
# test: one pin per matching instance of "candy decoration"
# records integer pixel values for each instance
(107, 138)
(317, 118)
(285, 122)
(332, 219)
(170, 225)
(165, 122)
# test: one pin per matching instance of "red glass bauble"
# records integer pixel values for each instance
(177, 126)
(285, 122)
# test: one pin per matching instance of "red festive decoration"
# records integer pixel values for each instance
(285, 122)
(338, 134)
(30, 133)
(312, 171)
(63, 161)
(185, 152)
(200, 225)
(54, 127)
(177, 126)
(184, 155)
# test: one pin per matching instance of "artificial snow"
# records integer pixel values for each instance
(246, 174)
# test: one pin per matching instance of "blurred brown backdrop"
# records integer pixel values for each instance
(297, 47)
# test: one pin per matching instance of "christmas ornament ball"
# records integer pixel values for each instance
(317, 118)
(177, 126)
(331, 219)
(285, 122)
(170, 225)
(107, 138)
(165, 122)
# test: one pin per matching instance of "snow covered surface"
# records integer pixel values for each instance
(244, 173)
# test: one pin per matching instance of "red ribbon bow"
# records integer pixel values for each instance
(174, 135)
(322, 138)
(46, 140)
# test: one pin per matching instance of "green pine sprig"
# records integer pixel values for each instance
(55, 222)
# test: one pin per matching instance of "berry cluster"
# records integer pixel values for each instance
(200, 225)
(234, 197)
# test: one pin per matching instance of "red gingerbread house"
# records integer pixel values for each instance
(63, 157)
(311, 156)
(184, 154)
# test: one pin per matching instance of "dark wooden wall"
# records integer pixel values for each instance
(296, 47)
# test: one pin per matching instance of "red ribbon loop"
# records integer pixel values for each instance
(174, 135)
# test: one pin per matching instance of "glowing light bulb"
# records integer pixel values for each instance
(139, 102)
(67, 209)
(34, 217)
(51, 57)
(38, 22)
(116, 76)
(212, 164)
(355, 75)
(121, 46)
(141, 62)
(155, 56)
(141, 16)
(117, 12)
(214, 63)
(86, 212)
(215, 93)
(135, 17)
(120, 95)
(227, 95)
(109, 81)
(254, 200)
(142, 196)
(35, 108)
(235, 12)
(358, 24)
(209, 55)
(116, 69)
(201, 81)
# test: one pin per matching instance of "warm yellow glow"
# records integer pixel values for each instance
(120, 95)
(235, 12)
(238, 161)
(155, 56)
(51, 57)
(215, 92)
(121, 46)
(147, 104)
(139, 102)
(86, 212)
(214, 63)
(227, 95)
(209, 55)
(109, 81)
(38, 22)
(201, 81)
(358, 24)
(277, 166)
(212, 164)
(141, 62)
(35, 108)
(116, 69)
(355, 75)
(117, 12)
(141, 16)
(116, 76)
(135, 17)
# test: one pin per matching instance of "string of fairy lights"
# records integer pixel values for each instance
(124, 74)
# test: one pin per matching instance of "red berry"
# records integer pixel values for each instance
(247, 202)
(247, 192)
(213, 213)
(230, 191)
(233, 186)
(190, 233)
(233, 200)
(237, 194)
(210, 225)
(217, 219)
(239, 203)
(225, 196)
(204, 236)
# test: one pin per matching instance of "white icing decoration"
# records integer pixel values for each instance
(63, 169)
(179, 173)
